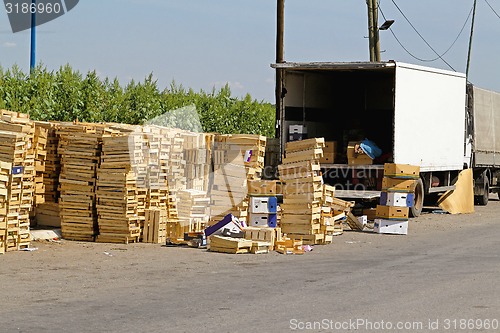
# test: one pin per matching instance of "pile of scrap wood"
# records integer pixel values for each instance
(17, 179)
(302, 191)
(230, 236)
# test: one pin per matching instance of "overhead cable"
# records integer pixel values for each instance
(439, 56)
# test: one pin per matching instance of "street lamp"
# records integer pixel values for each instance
(387, 24)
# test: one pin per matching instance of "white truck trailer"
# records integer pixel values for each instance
(483, 140)
(417, 115)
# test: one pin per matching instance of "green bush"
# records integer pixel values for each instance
(67, 95)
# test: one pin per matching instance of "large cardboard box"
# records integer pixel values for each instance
(360, 160)
(330, 147)
(398, 185)
(327, 158)
(397, 199)
(388, 212)
(401, 171)
(383, 226)
(262, 187)
(371, 213)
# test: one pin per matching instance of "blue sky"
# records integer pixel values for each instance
(205, 43)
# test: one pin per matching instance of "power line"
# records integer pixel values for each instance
(493, 9)
(439, 56)
(422, 37)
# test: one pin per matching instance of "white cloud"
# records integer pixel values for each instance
(9, 45)
(234, 85)
(270, 80)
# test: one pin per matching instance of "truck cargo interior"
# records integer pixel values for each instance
(343, 106)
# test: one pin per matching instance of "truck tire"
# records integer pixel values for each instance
(482, 200)
(418, 203)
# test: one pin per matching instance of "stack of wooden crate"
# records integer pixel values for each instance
(5, 169)
(80, 149)
(176, 162)
(193, 210)
(47, 213)
(396, 199)
(17, 151)
(156, 161)
(197, 153)
(117, 206)
(40, 149)
(229, 193)
(328, 214)
(303, 190)
(237, 159)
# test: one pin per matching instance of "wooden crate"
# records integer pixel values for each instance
(155, 226)
(230, 245)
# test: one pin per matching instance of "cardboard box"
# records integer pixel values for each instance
(397, 199)
(392, 213)
(262, 187)
(382, 226)
(360, 160)
(262, 220)
(401, 171)
(354, 158)
(398, 185)
(327, 158)
(279, 187)
(263, 205)
(371, 213)
(351, 149)
(330, 147)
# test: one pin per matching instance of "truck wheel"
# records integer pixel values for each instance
(418, 203)
(482, 200)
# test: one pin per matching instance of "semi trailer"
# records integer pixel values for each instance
(417, 115)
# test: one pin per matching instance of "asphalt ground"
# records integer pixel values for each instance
(442, 277)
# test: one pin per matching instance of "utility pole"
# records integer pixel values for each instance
(370, 30)
(376, 41)
(33, 36)
(470, 40)
(280, 58)
(373, 30)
